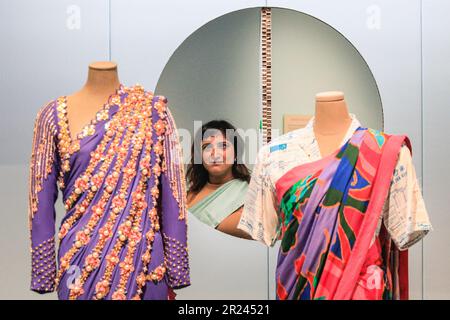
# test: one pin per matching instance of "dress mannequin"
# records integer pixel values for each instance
(82, 105)
(113, 189)
(334, 191)
(331, 122)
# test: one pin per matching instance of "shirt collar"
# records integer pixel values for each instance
(313, 143)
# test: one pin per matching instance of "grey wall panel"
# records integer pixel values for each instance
(436, 121)
(46, 48)
(387, 34)
(146, 34)
(224, 267)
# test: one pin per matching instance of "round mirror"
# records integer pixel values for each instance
(214, 82)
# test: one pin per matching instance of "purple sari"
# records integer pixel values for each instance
(123, 235)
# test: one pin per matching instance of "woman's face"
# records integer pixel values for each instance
(217, 155)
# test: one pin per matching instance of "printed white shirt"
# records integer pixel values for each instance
(404, 213)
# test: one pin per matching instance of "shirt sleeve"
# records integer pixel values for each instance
(173, 205)
(43, 193)
(259, 216)
(404, 214)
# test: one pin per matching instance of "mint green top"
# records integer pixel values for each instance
(219, 204)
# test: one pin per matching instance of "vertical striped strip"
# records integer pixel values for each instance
(266, 73)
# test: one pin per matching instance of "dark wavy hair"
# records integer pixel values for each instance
(196, 174)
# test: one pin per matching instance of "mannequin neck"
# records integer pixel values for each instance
(331, 114)
(102, 78)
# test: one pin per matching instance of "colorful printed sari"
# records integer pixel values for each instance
(123, 235)
(328, 215)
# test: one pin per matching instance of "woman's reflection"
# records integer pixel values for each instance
(218, 179)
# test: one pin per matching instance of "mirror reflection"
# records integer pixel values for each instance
(218, 178)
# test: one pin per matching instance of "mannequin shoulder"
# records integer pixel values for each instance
(47, 113)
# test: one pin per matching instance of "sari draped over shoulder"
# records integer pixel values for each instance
(329, 214)
(218, 205)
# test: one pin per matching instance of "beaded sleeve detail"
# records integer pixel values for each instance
(42, 155)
